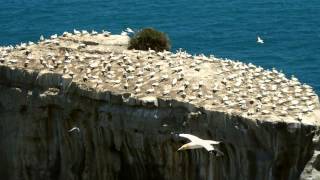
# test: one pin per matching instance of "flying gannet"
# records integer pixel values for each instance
(199, 143)
(259, 40)
(74, 129)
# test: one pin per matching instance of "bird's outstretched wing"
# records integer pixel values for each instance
(207, 146)
(190, 137)
(213, 142)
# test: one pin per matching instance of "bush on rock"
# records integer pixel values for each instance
(150, 38)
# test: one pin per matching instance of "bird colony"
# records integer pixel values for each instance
(90, 59)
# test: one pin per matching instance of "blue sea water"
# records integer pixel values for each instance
(227, 29)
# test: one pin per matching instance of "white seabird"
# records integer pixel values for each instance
(76, 32)
(124, 33)
(74, 129)
(41, 38)
(54, 36)
(199, 143)
(259, 40)
(106, 33)
(129, 30)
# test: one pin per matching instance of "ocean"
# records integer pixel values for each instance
(226, 29)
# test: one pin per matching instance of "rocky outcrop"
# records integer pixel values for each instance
(127, 136)
(312, 169)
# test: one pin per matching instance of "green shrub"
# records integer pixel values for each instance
(150, 38)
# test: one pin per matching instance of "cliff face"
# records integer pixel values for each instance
(312, 169)
(130, 105)
(124, 138)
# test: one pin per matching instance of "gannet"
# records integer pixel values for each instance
(166, 92)
(129, 30)
(106, 33)
(259, 40)
(65, 34)
(123, 33)
(94, 32)
(137, 90)
(54, 36)
(199, 143)
(73, 129)
(76, 32)
(174, 81)
(41, 38)
(84, 32)
(151, 90)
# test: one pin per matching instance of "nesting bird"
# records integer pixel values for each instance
(76, 32)
(129, 30)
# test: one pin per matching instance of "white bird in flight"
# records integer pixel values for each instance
(259, 40)
(199, 143)
(74, 129)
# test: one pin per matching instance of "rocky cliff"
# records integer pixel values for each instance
(129, 107)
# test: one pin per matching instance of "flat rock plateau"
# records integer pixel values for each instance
(130, 106)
